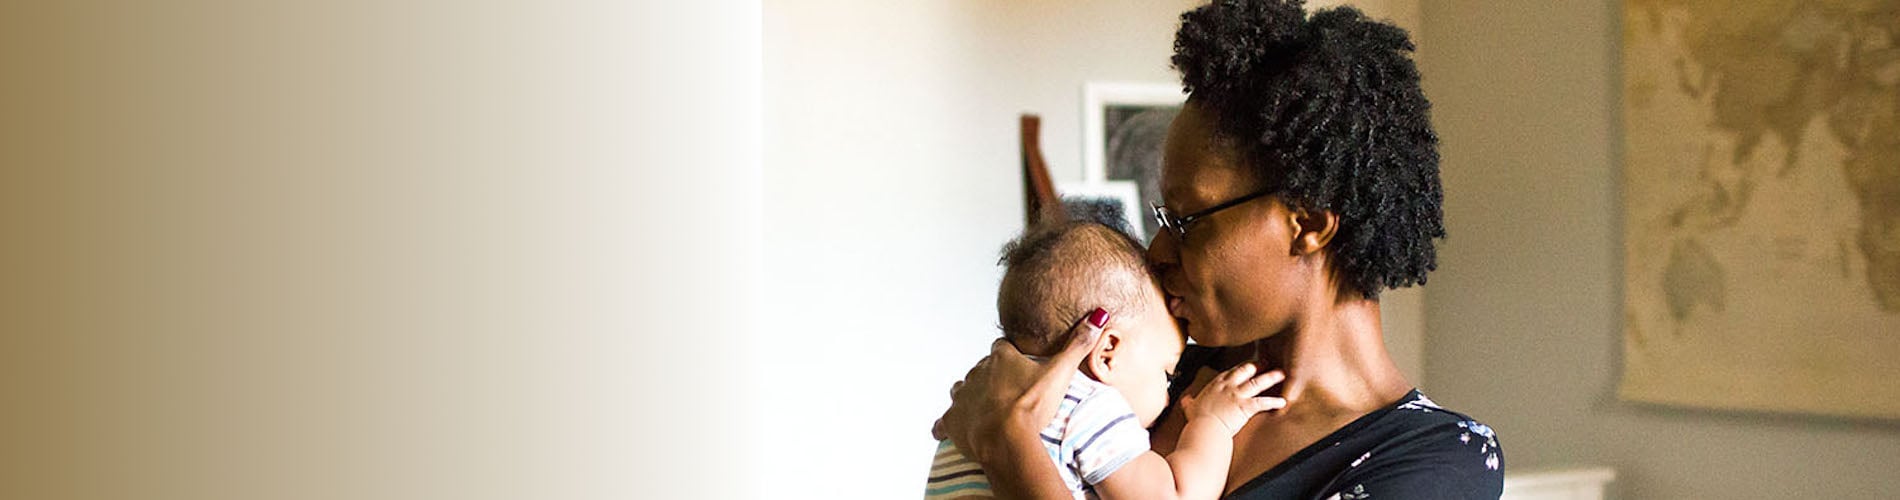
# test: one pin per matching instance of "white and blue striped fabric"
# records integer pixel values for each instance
(1094, 433)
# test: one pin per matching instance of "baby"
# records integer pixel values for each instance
(1099, 440)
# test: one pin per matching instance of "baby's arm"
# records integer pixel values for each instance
(1198, 467)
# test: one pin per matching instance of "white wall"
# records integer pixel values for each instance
(1525, 310)
(891, 181)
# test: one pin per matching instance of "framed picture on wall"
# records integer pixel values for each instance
(1111, 202)
(1123, 127)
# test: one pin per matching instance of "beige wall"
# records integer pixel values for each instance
(376, 250)
(1524, 311)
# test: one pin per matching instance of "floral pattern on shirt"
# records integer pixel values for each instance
(1422, 403)
(1487, 446)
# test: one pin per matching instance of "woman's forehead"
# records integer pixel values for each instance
(1198, 167)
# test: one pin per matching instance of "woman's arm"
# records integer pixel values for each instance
(1000, 407)
(1022, 469)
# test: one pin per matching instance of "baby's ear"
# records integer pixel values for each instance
(1102, 359)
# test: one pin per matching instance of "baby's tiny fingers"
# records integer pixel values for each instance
(1239, 374)
(1264, 404)
(1261, 383)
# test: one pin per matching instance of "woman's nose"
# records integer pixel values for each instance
(1162, 249)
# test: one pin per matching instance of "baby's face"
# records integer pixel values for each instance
(1153, 344)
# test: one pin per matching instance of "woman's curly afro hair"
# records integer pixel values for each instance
(1328, 110)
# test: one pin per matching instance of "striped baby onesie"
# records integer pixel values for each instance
(1094, 433)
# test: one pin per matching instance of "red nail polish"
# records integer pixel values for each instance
(1098, 318)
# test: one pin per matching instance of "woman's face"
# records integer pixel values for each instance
(1232, 279)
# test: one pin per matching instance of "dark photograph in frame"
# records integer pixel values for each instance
(1126, 124)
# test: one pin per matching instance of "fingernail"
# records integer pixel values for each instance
(1098, 318)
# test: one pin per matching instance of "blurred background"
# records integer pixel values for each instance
(365, 249)
(714, 249)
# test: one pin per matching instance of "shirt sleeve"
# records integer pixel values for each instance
(1451, 461)
(954, 475)
(1103, 435)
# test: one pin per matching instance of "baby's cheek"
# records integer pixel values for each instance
(1156, 400)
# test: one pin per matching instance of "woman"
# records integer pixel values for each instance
(1301, 179)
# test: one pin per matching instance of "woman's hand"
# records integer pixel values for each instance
(1006, 399)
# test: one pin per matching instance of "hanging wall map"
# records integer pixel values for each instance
(1762, 205)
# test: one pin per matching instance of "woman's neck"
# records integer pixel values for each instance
(1335, 361)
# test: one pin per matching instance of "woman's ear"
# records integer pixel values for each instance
(1312, 229)
(1102, 360)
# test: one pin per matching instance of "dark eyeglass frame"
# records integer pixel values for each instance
(1179, 225)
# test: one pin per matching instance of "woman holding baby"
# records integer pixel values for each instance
(1300, 179)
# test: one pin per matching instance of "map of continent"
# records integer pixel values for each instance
(1761, 194)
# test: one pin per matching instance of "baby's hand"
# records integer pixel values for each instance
(1233, 397)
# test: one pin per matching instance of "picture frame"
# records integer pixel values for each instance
(1124, 125)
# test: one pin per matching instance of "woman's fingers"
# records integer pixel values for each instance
(977, 370)
(1083, 338)
(1008, 385)
(970, 399)
(988, 396)
(1000, 346)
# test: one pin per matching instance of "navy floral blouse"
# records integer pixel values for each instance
(1411, 449)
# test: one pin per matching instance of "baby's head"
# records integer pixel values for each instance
(1056, 273)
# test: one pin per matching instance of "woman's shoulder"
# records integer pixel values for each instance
(1418, 420)
(1418, 445)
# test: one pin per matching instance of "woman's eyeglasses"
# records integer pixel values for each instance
(1179, 225)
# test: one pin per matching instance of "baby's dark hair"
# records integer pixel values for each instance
(1054, 273)
(1328, 110)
